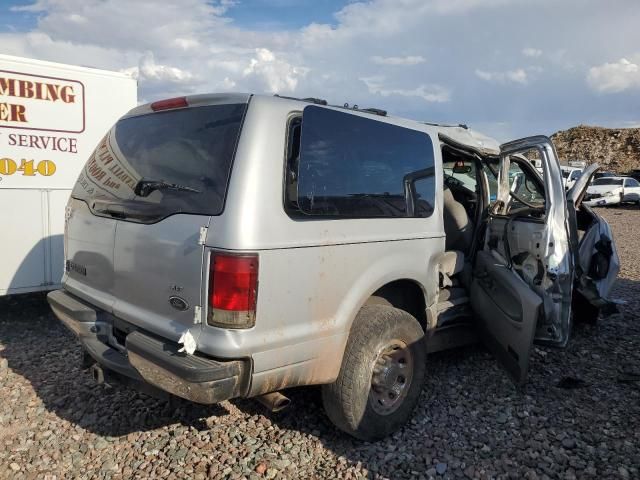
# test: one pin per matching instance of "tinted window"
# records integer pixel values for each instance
(352, 166)
(631, 183)
(603, 174)
(182, 157)
(608, 181)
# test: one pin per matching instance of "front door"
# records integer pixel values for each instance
(523, 274)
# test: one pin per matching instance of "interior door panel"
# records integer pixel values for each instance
(508, 311)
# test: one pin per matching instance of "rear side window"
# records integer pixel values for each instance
(163, 163)
(348, 166)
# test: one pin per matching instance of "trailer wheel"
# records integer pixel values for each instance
(382, 374)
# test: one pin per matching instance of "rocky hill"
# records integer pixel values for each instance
(615, 149)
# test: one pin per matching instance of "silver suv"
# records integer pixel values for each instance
(222, 246)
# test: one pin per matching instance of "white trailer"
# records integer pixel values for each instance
(51, 118)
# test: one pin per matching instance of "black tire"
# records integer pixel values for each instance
(347, 401)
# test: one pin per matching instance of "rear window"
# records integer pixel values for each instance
(608, 181)
(177, 161)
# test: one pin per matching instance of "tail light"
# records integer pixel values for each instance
(233, 290)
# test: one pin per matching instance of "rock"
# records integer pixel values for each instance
(271, 473)
(54, 421)
(108, 465)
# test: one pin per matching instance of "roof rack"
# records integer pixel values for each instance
(434, 124)
(316, 101)
(377, 111)
(321, 101)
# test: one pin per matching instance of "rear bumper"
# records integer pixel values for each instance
(150, 359)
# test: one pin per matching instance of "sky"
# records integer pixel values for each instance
(509, 68)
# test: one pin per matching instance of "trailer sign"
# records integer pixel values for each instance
(52, 116)
(36, 102)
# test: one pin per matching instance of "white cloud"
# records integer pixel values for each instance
(614, 77)
(277, 75)
(427, 92)
(511, 76)
(149, 70)
(399, 61)
(418, 57)
(187, 43)
(531, 52)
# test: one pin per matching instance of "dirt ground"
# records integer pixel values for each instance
(577, 417)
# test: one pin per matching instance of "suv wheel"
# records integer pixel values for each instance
(382, 374)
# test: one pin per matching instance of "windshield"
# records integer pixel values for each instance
(175, 161)
(464, 177)
(607, 181)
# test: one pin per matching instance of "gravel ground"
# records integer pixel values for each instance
(472, 422)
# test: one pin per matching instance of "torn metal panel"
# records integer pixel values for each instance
(577, 192)
(599, 262)
(474, 141)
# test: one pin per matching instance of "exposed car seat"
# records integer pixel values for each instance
(457, 225)
(458, 229)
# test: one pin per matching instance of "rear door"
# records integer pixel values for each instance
(156, 179)
(522, 281)
(88, 246)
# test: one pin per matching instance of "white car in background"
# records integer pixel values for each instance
(612, 191)
(570, 175)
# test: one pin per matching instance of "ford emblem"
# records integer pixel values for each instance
(179, 303)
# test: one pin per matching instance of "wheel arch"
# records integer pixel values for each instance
(404, 294)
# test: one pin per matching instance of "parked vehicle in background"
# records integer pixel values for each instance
(613, 191)
(51, 117)
(603, 175)
(260, 243)
(634, 174)
(570, 175)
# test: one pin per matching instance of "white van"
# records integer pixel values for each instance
(52, 116)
